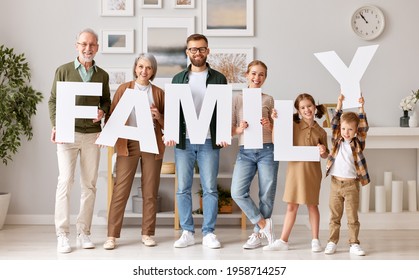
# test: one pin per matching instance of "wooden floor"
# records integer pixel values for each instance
(17, 242)
(34, 248)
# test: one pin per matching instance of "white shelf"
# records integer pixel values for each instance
(174, 215)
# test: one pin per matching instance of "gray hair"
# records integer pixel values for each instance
(88, 30)
(151, 59)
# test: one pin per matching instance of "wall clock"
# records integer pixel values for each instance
(368, 22)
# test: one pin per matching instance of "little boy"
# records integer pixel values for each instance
(348, 168)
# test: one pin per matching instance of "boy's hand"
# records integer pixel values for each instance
(340, 102)
(361, 103)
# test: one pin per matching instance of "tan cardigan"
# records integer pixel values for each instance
(121, 145)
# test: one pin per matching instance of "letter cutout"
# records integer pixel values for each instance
(283, 136)
(116, 125)
(197, 127)
(348, 78)
(67, 111)
(252, 113)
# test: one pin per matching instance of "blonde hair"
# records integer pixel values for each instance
(257, 62)
(350, 117)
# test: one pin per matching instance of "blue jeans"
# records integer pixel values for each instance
(247, 163)
(208, 161)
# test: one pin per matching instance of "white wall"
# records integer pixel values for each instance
(287, 33)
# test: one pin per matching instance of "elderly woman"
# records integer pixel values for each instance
(129, 153)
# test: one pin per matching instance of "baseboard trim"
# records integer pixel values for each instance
(374, 221)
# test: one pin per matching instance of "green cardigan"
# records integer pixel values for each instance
(214, 77)
(68, 73)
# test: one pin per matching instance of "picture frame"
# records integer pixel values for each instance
(165, 38)
(151, 4)
(223, 59)
(330, 111)
(120, 8)
(118, 76)
(117, 41)
(184, 4)
(217, 19)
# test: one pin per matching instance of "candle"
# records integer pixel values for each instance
(388, 177)
(411, 190)
(365, 199)
(397, 196)
(380, 199)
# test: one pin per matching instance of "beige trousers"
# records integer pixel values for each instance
(344, 194)
(84, 147)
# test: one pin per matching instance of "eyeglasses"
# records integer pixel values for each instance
(84, 45)
(194, 50)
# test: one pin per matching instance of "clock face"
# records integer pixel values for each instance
(368, 22)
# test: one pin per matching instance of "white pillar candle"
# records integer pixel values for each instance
(397, 196)
(388, 178)
(365, 199)
(411, 191)
(380, 199)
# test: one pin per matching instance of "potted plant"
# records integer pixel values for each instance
(225, 202)
(18, 101)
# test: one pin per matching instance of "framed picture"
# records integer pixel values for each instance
(151, 4)
(184, 4)
(121, 8)
(227, 17)
(330, 111)
(118, 76)
(117, 41)
(232, 62)
(165, 38)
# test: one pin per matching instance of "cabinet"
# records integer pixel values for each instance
(170, 214)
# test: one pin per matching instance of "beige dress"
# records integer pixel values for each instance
(303, 179)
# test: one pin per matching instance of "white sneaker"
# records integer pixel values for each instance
(210, 240)
(316, 246)
(63, 245)
(84, 241)
(187, 239)
(277, 245)
(330, 248)
(268, 231)
(254, 241)
(356, 250)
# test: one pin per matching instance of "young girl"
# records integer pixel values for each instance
(302, 185)
(250, 161)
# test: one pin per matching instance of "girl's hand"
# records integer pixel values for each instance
(322, 150)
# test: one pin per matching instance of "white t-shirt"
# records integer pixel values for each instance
(132, 119)
(344, 165)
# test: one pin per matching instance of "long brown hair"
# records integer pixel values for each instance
(321, 110)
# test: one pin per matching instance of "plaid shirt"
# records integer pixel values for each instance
(357, 146)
